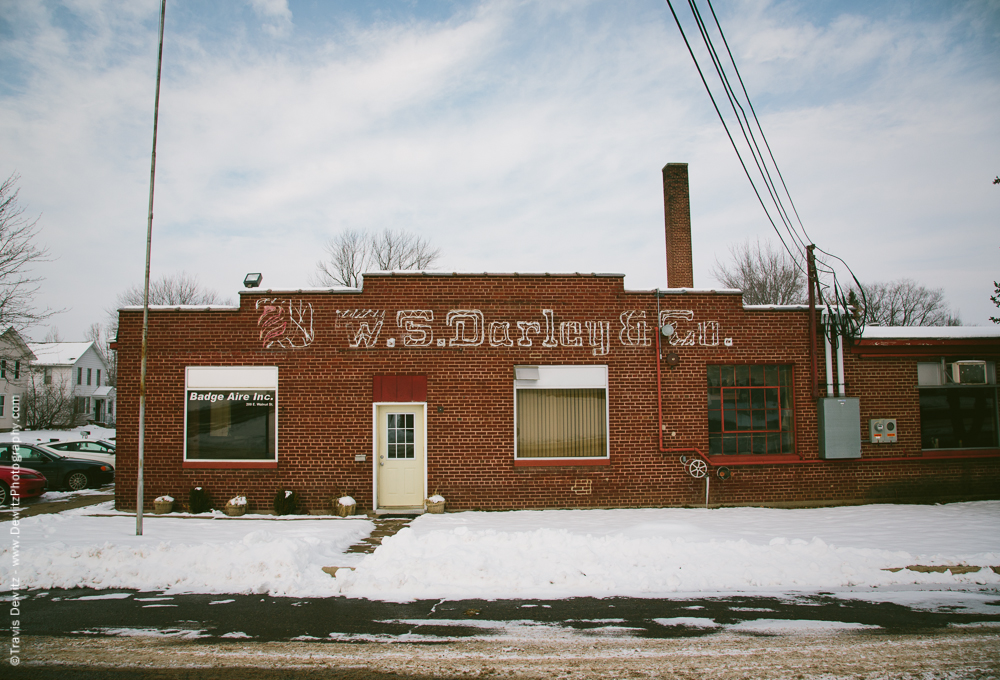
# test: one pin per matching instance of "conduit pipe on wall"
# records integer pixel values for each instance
(831, 337)
(829, 359)
(841, 387)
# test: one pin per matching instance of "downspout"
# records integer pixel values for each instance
(659, 381)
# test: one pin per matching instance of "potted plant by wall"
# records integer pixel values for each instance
(285, 502)
(199, 501)
(236, 506)
(344, 506)
(435, 504)
(163, 504)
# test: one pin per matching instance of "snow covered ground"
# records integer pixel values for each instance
(524, 554)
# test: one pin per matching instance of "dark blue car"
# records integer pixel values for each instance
(62, 472)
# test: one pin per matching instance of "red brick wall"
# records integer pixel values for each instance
(677, 218)
(326, 387)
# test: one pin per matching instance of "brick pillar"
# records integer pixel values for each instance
(677, 216)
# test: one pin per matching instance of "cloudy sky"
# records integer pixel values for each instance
(516, 135)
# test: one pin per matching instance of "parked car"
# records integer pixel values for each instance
(29, 483)
(86, 449)
(61, 472)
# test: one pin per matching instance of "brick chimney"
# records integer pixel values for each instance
(677, 214)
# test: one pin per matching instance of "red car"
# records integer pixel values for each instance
(29, 483)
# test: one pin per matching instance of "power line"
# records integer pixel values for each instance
(766, 166)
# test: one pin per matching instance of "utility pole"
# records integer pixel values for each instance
(145, 291)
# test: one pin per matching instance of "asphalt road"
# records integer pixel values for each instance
(83, 634)
(85, 612)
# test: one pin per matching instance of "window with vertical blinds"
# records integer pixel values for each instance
(562, 412)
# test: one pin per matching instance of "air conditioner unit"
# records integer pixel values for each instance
(967, 372)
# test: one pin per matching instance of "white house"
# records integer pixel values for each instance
(79, 366)
(15, 356)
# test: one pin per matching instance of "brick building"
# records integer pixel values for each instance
(503, 391)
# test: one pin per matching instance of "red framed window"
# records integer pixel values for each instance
(750, 410)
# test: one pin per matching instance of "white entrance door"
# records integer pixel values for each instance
(399, 432)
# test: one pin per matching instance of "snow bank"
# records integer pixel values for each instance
(542, 554)
(175, 555)
(650, 553)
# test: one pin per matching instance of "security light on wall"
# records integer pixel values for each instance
(252, 280)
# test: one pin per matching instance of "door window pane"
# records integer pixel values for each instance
(400, 435)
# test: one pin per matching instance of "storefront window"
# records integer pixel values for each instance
(231, 414)
(561, 412)
(958, 404)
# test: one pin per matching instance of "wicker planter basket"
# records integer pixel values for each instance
(234, 509)
(435, 507)
(163, 507)
(342, 510)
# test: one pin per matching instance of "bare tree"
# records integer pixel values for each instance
(46, 404)
(996, 300)
(766, 275)
(905, 303)
(179, 289)
(17, 253)
(353, 252)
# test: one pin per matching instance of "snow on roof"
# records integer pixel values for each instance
(680, 291)
(441, 272)
(58, 353)
(929, 332)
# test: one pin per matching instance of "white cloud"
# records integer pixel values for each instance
(275, 14)
(515, 135)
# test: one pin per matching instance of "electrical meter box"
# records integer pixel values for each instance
(882, 430)
(839, 428)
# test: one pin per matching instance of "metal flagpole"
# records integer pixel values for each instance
(145, 291)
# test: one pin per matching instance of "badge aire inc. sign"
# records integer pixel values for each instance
(255, 399)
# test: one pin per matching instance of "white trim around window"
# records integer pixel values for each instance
(237, 413)
(557, 413)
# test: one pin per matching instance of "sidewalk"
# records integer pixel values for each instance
(32, 507)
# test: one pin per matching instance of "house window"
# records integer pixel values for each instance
(88, 375)
(98, 383)
(750, 410)
(958, 405)
(561, 412)
(17, 369)
(47, 376)
(231, 413)
(79, 376)
(3, 368)
(2, 405)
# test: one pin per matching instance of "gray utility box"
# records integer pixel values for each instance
(839, 428)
